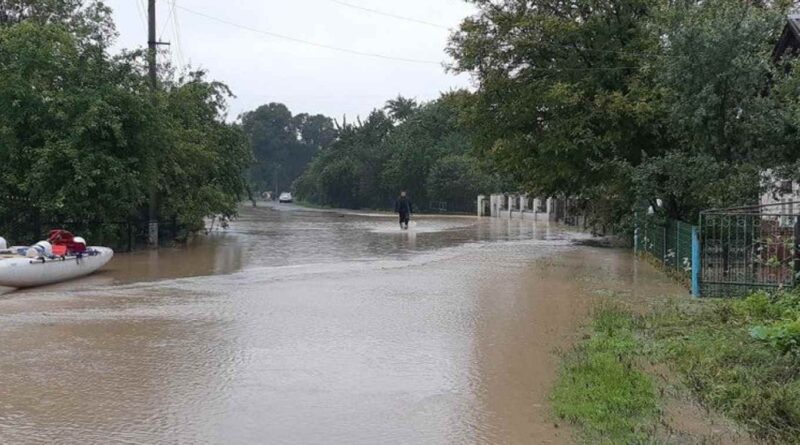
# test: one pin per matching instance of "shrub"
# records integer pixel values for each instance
(782, 335)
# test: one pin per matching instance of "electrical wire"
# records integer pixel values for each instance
(308, 42)
(141, 14)
(436, 25)
(369, 54)
(166, 22)
(176, 29)
(389, 14)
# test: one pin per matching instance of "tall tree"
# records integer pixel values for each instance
(401, 108)
(283, 144)
(558, 105)
(428, 153)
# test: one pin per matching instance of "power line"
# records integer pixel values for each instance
(308, 42)
(369, 54)
(175, 50)
(141, 14)
(166, 22)
(176, 29)
(436, 25)
(608, 51)
(594, 68)
(388, 14)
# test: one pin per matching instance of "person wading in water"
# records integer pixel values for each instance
(403, 207)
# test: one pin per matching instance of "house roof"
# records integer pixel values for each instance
(789, 41)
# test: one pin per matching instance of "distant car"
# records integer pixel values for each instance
(285, 197)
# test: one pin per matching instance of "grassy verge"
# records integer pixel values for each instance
(740, 358)
(601, 388)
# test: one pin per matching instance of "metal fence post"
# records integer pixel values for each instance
(796, 268)
(676, 263)
(695, 262)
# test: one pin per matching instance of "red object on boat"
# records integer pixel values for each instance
(61, 237)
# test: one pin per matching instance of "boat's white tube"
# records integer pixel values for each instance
(26, 272)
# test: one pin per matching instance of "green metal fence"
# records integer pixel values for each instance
(731, 252)
(750, 248)
(667, 241)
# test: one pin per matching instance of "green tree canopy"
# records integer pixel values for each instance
(610, 100)
(78, 125)
(283, 144)
(424, 149)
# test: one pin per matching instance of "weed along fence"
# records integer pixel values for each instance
(731, 251)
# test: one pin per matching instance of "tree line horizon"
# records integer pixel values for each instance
(621, 104)
(617, 103)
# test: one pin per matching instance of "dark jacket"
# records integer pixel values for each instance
(402, 205)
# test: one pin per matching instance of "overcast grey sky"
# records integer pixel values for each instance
(260, 68)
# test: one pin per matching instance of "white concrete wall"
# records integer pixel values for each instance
(518, 206)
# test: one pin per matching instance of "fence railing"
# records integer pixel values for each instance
(731, 252)
(122, 236)
(669, 243)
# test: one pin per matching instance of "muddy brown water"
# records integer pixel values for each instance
(303, 327)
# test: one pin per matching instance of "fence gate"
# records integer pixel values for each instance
(748, 248)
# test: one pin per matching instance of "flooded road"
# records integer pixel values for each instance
(305, 327)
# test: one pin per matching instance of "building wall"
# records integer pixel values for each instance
(784, 196)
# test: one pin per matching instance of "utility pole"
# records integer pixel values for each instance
(152, 238)
(152, 43)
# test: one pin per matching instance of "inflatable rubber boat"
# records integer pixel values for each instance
(61, 258)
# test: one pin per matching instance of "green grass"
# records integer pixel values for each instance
(740, 358)
(601, 389)
(752, 375)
